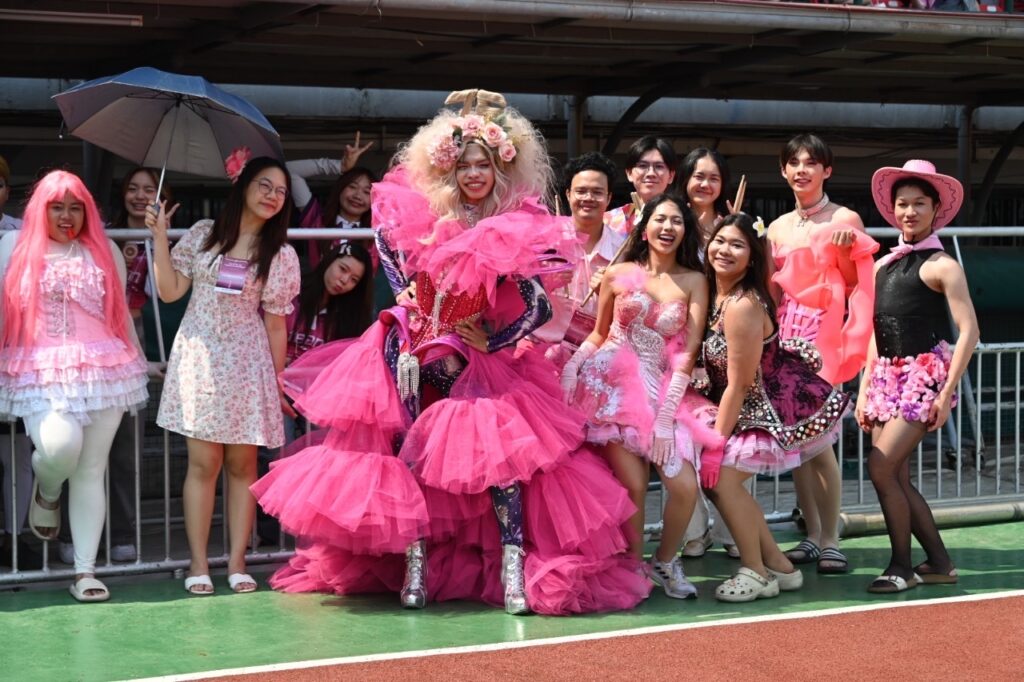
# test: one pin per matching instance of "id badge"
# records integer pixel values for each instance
(231, 276)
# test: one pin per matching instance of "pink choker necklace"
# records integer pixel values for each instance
(807, 213)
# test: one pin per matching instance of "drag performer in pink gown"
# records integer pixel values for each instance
(488, 497)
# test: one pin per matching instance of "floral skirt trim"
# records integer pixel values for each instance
(906, 387)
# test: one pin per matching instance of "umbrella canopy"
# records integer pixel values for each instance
(161, 119)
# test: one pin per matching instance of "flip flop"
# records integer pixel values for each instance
(927, 578)
(891, 584)
(41, 517)
(79, 588)
(834, 556)
(805, 553)
(236, 580)
(195, 580)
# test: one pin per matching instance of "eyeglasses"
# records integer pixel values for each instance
(584, 192)
(267, 188)
(645, 167)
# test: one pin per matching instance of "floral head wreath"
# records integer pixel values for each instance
(235, 162)
(482, 119)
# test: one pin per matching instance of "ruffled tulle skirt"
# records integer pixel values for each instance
(355, 506)
(611, 393)
(907, 387)
(73, 378)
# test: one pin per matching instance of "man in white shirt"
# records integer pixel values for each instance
(589, 193)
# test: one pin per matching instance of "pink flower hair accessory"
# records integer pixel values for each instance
(482, 120)
(235, 162)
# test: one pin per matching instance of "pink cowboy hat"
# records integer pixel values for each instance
(951, 192)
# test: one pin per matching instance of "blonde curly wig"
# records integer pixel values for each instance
(529, 174)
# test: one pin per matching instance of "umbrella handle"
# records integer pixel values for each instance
(170, 141)
(156, 300)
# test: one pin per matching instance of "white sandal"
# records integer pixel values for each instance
(41, 517)
(747, 585)
(80, 587)
(788, 582)
(197, 580)
(235, 580)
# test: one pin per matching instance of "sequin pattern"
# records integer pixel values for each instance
(645, 326)
(787, 398)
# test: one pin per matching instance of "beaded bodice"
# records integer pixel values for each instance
(647, 325)
(439, 311)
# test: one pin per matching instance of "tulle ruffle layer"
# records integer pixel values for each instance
(499, 425)
(498, 246)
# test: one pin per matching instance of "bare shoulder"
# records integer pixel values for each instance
(744, 314)
(779, 225)
(848, 217)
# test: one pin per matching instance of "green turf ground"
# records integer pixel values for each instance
(152, 628)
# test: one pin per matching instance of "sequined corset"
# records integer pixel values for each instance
(787, 399)
(756, 409)
(910, 318)
(647, 325)
(68, 281)
(440, 311)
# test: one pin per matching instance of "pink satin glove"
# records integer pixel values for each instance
(711, 465)
(663, 449)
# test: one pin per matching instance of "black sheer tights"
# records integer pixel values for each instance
(906, 511)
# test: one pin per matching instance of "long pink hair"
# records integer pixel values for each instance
(29, 259)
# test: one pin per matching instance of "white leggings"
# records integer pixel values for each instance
(23, 461)
(68, 451)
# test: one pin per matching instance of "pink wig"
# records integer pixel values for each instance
(20, 301)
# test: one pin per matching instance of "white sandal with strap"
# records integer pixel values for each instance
(80, 588)
(747, 585)
(197, 580)
(236, 580)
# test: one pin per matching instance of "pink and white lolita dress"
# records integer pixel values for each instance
(75, 365)
(460, 422)
(622, 385)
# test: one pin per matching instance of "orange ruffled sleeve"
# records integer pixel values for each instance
(811, 277)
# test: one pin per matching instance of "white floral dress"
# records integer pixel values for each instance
(220, 384)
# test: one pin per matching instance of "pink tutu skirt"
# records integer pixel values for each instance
(356, 507)
(502, 422)
(907, 387)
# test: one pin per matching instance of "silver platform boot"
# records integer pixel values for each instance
(414, 590)
(513, 580)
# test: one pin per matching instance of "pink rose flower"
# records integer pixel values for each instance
(493, 135)
(507, 151)
(471, 125)
(235, 162)
(444, 152)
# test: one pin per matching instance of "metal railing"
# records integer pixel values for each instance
(976, 459)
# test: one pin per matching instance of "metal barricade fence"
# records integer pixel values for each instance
(976, 459)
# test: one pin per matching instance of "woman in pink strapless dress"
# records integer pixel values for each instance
(488, 498)
(630, 377)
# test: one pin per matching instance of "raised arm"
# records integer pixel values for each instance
(170, 284)
(302, 169)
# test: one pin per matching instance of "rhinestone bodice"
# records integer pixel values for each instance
(647, 325)
(439, 311)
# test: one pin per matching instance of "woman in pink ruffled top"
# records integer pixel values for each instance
(631, 375)
(909, 387)
(823, 254)
(487, 498)
(70, 365)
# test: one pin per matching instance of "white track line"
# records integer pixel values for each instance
(569, 639)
